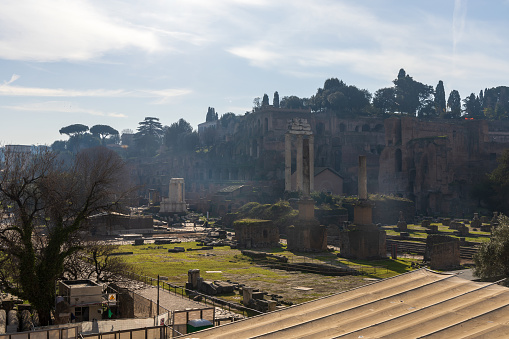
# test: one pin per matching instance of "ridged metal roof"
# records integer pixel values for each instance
(417, 304)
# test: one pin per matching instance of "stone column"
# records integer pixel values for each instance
(311, 163)
(305, 169)
(299, 163)
(363, 178)
(288, 162)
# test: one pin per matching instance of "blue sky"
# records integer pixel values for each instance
(116, 62)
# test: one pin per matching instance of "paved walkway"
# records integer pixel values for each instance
(173, 302)
(168, 300)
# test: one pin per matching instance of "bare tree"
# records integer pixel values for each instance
(44, 203)
(96, 260)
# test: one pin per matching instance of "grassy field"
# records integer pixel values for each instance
(223, 263)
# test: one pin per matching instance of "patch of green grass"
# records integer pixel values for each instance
(381, 269)
(416, 231)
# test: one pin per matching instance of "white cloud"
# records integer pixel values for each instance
(53, 30)
(458, 22)
(14, 77)
(62, 107)
(161, 95)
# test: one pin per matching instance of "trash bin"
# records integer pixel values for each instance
(198, 325)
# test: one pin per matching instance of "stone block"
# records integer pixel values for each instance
(247, 293)
(11, 328)
(432, 229)
(192, 277)
(402, 226)
(485, 228)
(443, 252)
(176, 249)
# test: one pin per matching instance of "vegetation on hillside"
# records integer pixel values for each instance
(281, 212)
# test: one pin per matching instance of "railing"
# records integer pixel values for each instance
(186, 293)
(156, 332)
(58, 333)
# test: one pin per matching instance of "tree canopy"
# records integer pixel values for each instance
(495, 103)
(74, 130)
(149, 135)
(292, 102)
(275, 101)
(454, 104)
(337, 96)
(211, 115)
(412, 97)
(103, 131)
(472, 107)
(180, 136)
(492, 259)
(440, 104)
(384, 100)
(47, 203)
(265, 100)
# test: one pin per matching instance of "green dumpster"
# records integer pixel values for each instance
(198, 325)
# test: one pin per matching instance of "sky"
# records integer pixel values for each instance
(116, 62)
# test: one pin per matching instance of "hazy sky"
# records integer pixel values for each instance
(116, 62)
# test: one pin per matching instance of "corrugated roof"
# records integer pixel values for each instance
(417, 304)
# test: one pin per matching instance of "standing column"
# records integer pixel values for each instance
(300, 177)
(288, 162)
(363, 178)
(311, 163)
(305, 168)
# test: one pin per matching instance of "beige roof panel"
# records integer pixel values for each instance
(413, 305)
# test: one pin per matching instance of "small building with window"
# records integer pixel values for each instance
(85, 299)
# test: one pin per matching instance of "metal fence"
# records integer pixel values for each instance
(156, 332)
(189, 294)
(57, 333)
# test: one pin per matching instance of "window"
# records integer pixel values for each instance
(81, 314)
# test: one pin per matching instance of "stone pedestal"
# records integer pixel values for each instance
(366, 242)
(307, 236)
(306, 209)
(363, 213)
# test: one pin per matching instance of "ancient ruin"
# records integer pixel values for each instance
(305, 163)
(176, 203)
(363, 239)
(442, 252)
(307, 234)
(256, 233)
